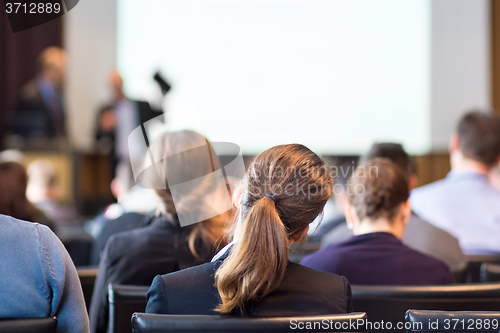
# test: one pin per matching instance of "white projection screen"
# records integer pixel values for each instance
(334, 75)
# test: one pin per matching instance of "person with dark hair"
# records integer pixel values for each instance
(168, 240)
(377, 212)
(419, 234)
(13, 200)
(284, 190)
(465, 203)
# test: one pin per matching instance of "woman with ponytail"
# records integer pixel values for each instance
(284, 190)
(169, 239)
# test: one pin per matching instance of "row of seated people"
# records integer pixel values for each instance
(251, 275)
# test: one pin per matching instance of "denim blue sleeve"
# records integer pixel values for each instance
(67, 303)
(157, 298)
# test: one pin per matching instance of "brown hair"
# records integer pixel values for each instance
(300, 185)
(13, 201)
(479, 137)
(395, 153)
(377, 189)
(186, 156)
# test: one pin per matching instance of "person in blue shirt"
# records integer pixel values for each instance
(38, 277)
(464, 203)
(377, 212)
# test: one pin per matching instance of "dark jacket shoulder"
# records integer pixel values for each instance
(302, 291)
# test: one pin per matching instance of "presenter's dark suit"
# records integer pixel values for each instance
(303, 291)
(379, 258)
(135, 257)
(36, 115)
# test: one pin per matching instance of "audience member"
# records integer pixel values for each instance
(419, 234)
(44, 192)
(163, 245)
(40, 109)
(377, 212)
(13, 200)
(285, 189)
(38, 277)
(464, 203)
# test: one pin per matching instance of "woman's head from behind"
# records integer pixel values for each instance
(190, 184)
(378, 198)
(285, 189)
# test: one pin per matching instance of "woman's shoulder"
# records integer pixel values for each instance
(313, 277)
(196, 276)
(28, 234)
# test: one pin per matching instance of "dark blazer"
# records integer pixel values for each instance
(135, 257)
(34, 117)
(125, 222)
(379, 259)
(303, 291)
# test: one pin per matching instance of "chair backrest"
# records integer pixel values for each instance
(449, 322)
(389, 303)
(490, 273)
(475, 262)
(28, 325)
(87, 275)
(149, 323)
(123, 302)
(460, 272)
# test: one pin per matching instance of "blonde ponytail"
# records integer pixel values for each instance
(257, 262)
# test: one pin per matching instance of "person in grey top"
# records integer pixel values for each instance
(419, 234)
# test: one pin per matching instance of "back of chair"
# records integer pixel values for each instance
(123, 302)
(475, 262)
(460, 272)
(490, 273)
(389, 303)
(87, 275)
(148, 323)
(28, 325)
(449, 322)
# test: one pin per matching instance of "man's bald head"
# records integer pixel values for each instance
(52, 64)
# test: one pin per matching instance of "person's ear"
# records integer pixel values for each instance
(237, 197)
(406, 212)
(298, 236)
(454, 143)
(413, 181)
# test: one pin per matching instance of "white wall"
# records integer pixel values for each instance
(90, 39)
(460, 64)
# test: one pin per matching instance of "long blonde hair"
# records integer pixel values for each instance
(299, 185)
(182, 157)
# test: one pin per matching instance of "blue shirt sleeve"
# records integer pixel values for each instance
(66, 295)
